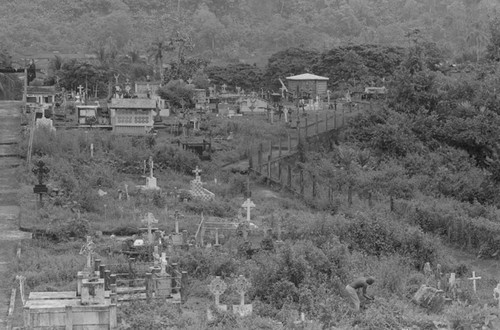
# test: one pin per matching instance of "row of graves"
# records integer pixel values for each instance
(441, 289)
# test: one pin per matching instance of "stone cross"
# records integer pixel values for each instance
(238, 89)
(473, 279)
(116, 78)
(149, 220)
(88, 249)
(190, 81)
(248, 204)
(41, 171)
(217, 287)
(80, 88)
(241, 285)
(197, 172)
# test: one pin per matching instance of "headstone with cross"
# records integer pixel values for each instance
(241, 285)
(177, 239)
(151, 183)
(217, 287)
(224, 86)
(474, 278)
(149, 219)
(163, 279)
(88, 249)
(80, 89)
(41, 171)
(248, 205)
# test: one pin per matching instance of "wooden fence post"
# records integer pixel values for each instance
(326, 122)
(289, 177)
(259, 158)
(289, 143)
(279, 152)
(313, 186)
(343, 115)
(317, 124)
(335, 120)
(184, 284)
(269, 170)
(149, 287)
(279, 172)
(302, 182)
(270, 150)
(306, 130)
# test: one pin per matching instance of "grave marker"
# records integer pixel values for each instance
(473, 279)
(496, 294)
(149, 220)
(177, 238)
(217, 287)
(248, 204)
(88, 249)
(241, 285)
(151, 180)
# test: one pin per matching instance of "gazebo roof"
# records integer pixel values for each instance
(307, 76)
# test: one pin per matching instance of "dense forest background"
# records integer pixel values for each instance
(244, 30)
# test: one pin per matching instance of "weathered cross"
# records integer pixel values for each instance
(248, 204)
(151, 164)
(149, 220)
(41, 171)
(241, 285)
(197, 172)
(217, 287)
(88, 248)
(80, 88)
(474, 278)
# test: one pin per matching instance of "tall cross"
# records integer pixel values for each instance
(241, 284)
(217, 287)
(474, 278)
(197, 172)
(88, 248)
(149, 220)
(80, 88)
(248, 204)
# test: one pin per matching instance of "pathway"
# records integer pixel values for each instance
(10, 126)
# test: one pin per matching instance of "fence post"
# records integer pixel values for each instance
(107, 278)
(250, 159)
(149, 279)
(306, 130)
(289, 143)
(313, 186)
(279, 172)
(259, 157)
(270, 150)
(184, 283)
(317, 124)
(326, 121)
(69, 317)
(335, 120)
(269, 170)
(343, 115)
(302, 182)
(279, 150)
(289, 176)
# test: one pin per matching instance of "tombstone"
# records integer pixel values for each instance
(241, 285)
(474, 278)
(88, 249)
(149, 219)
(197, 190)
(217, 287)
(248, 204)
(438, 276)
(163, 279)
(217, 245)
(238, 90)
(430, 298)
(93, 291)
(151, 180)
(177, 238)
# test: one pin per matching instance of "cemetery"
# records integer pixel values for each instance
(298, 207)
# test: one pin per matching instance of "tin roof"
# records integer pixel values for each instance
(307, 76)
(45, 90)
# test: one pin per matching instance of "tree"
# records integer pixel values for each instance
(178, 93)
(157, 51)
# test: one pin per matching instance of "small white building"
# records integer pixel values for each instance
(132, 116)
(41, 95)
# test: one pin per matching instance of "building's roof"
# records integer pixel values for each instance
(132, 104)
(307, 76)
(152, 83)
(46, 90)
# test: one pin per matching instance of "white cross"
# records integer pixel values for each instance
(80, 89)
(197, 172)
(150, 219)
(474, 278)
(248, 204)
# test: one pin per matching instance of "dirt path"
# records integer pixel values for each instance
(10, 120)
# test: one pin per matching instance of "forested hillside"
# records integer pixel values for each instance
(244, 29)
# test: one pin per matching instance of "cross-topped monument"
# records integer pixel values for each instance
(80, 88)
(474, 278)
(217, 287)
(197, 172)
(248, 204)
(149, 219)
(241, 285)
(88, 249)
